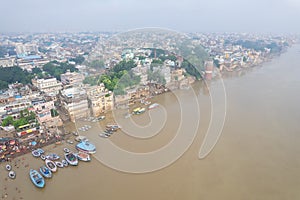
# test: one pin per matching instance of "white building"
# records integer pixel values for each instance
(49, 85)
(74, 101)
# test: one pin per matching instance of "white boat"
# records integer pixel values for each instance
(12, 174)
(52, 156)
(113, 126)
(152, 106)
(71, 158)
(59, 164)
(70, 141)
(36, 153)
(51, 165)
(101, 118)
(83, 156)
(43, 157)
(103, 135)
(66, 150)
(65, 163)
(8, 167)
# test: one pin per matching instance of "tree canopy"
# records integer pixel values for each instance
(55, 68)
(9, 75)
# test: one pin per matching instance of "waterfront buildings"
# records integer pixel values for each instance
(49, 85)
(71, 78)
(74, 103)
(100, 99)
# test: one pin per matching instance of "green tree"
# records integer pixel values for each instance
(7, 121)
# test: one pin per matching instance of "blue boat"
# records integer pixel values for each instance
(86, 147)
(45, 172)
(36, 178)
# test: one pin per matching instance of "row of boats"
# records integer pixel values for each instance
(141, 110)
(11, 173)
(110, 129)
(52, 164)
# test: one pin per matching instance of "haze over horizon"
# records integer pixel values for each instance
(270, 16)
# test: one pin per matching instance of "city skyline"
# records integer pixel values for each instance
(189, 16)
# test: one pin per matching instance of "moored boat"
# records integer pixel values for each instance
(83, 156)
(113, 126)
(152, 106)
(8, 167)
(138, 111)
(66, 150)
(51, 165)
(41, 151)
(12, 174)
(36, 153)
(43, 157)
(52, 156)
(45, 172)
(104, 135)
(36, 178)
(86, 147)
(71, 158)
(65, 163)
(59, 164)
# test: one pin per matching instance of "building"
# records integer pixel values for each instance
(101, 100)
(209, 68)
(7, 62)
(49, 85)
(42, 109)
(26, 49)
(74, 103)
(71, 78)
(164, 71)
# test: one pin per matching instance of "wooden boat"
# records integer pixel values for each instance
(45, 172)
(36, 153)
(36, 178)
(59, 164)
(43, 157)
(83, 156)
(71, 158)
(66, 150)
(138, 111)
(41, 151)
(103, 135)
(65, 163)
(8, 167)
(152, 106)
(113, 126)
(52, 156)
(12, 174)
(51, 165)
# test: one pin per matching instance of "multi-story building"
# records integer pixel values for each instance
(25, 49)
(74, 102)
(101, 100)
(164, 71)
(42, 109)
(209, 67)
(49, 85)
(7, 62)
(71, 78)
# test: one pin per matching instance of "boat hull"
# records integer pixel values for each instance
(71, 159)
(36, 178)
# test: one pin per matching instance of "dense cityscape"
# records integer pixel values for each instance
(48, 79)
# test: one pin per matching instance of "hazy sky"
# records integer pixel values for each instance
(184, 15)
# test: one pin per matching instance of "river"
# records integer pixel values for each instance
(256, 156)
